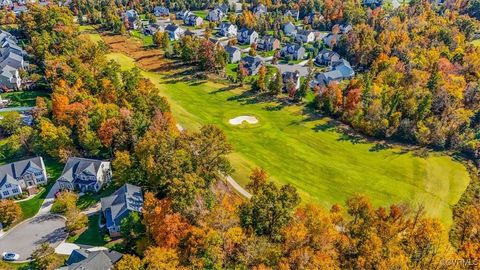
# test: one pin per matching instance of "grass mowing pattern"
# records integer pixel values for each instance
(325, 166)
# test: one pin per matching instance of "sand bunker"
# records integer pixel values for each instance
(238, 120)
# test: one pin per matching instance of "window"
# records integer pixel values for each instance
(15, 190)
(6, 193)
(8, 185)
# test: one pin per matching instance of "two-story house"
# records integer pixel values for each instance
(268, 43)
(131, 17)
(227, 30)
(305, 36)
(161, 11)
(215, 15)
(174, 32)
(247, 36)
(119, 205)
(234, 54)
(289, 29)
(326, 57)
(85, 174)
(193, 20)
(182, 14)
(252, 64)
(20, 176)
(293, 52)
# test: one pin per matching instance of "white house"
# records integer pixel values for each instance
(85, 174)
(20, 176)
(305, 36)
(227, 30)
(174, 32)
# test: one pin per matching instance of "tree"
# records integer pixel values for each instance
(253, 50)
(161, 258)
(184, 191)
(276, 85)
(269, 210)
(258, 178)
(261, 83)
(9, 212)
(43, 257)
(122, 167)
(65, 202)
(206, 56)
(129, 262)
(241, 73)
(158, 39)
(132, 229)
(11, 122)
(76, 221)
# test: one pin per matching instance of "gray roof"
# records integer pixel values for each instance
(126, 198)
(83, 259)
(10, 172)
(171, 28)
(76, 166)
(231, 50)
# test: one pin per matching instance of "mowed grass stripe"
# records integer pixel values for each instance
(326, 166)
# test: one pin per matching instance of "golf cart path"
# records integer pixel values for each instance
(229, 179)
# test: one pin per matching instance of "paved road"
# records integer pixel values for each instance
(26, 237)
(16, 109)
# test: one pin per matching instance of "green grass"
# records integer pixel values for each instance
(146, 40)
(201, 13)
(23, 98)
(30, 207)
(88, 200)
(325, 166)
(93, 235)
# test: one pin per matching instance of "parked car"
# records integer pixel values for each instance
(10, 256)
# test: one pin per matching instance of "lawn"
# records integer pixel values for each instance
(146, 40)
(306, 151)
(93, 235)
(88, 200)
(201, 13)
(23, 98)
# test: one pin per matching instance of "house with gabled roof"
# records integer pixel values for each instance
(292, 13)
(182, 14)
(252, 64)
(259, 10)
(293, 51)
(24, 175)
(340, 70)
(289, 29)
(227, 29)
(247, 36)
(193, 20)
(161, 11)
(305, 36)
(132, 18)
(85, 174)
(91, 259)
(174, 32)
(234, 54)
(291, 77)
(268, 43)
(326, 57)
(10, 78)
(215, 15)
(120, 204)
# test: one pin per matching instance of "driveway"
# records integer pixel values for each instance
(26, 237)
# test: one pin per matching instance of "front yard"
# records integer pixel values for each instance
(23, 98)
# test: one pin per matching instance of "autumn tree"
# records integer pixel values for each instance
(276, 85)
(10, 122)
(161, 258)
(261, 82)
(65, 201)
(43, 257)
(9, 212)
(129, 262)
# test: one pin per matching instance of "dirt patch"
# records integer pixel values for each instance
(149, 59)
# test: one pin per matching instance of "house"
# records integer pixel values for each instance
(161, 11)
(292, 13)
(131, 16)
(18, 9)
(326, 57)
(259, 10)
(247, 36)
(345, 28)
(10, 78)
(224, 8)
(215, 15)
(85, 174)
(339, 71)
(174, 32)
(119, 205)
(305, 36)
(227, 30)
(268, 43)
(252, 64)
(293, 52)
(182, 14)
(289, 29)
(153, 28)
(20, 176)
(331, 40)
(372, 3)
(10, 58)
(234, 54)
(291, 77)
(193, 20)
(92, 258)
